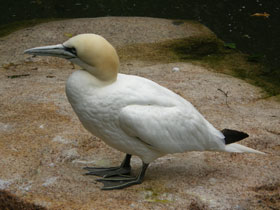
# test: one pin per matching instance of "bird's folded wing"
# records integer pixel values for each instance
(167, 129)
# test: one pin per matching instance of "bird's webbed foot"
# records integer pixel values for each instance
(123, 169)
(123, 181)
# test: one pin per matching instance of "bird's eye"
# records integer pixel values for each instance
(71, 50)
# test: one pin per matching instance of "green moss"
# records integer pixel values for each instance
(154, 194)
(194, 46)
(230, 45)
(175, 50)
(9, 28)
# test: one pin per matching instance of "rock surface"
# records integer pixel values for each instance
(43, 146)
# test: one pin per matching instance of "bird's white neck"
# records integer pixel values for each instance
(104, 73)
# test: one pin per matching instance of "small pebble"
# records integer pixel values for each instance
(175, 69)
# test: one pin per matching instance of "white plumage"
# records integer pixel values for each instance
(140, 117)
(131, 113)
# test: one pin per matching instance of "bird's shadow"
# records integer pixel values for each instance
(186, 169)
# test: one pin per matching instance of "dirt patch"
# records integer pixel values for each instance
(11, 202)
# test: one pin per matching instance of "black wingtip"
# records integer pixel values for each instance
(232, 136)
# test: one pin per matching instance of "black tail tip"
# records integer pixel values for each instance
(232, 136)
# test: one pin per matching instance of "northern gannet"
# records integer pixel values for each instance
(130, 113)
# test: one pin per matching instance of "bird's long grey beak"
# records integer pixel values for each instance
(53, 50)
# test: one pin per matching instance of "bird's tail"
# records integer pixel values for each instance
(232, 136)
(240, 148)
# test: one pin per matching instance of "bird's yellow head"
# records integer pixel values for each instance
(90, 51)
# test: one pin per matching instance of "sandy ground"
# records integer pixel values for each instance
(43, 146)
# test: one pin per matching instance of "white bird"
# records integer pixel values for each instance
(130, 113)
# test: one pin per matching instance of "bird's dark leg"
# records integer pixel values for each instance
(120, 182)
(123, 169)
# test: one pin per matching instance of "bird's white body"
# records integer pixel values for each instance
(140, 117)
